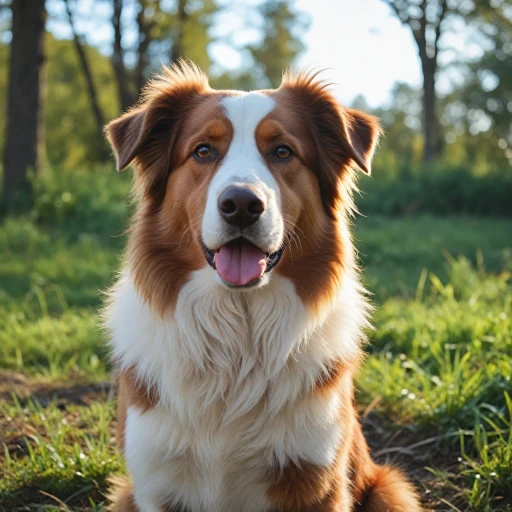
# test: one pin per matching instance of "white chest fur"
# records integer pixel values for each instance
(232, 370)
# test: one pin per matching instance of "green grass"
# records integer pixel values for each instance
(68, 454)
(394, 251)
(442, 363)
(438, 371)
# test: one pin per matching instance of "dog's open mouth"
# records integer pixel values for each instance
(241, 263)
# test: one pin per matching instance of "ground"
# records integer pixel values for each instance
(433, 392)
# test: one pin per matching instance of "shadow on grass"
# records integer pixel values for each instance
(13, 383)
(75, 493)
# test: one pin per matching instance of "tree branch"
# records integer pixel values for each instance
(144, 27)
(442, 15)
(125, 96)
(177, 45)
(93, 96)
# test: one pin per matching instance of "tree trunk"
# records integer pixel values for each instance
(91, 89)
(177, 44)
(430, 123)
(144, 27)
(125, 97)
(24, 102)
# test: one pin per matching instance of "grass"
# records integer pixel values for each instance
(437, 379)
(65, 452)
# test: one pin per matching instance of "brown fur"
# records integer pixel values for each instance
(178, 112)
(302, 487)
(378, 488)
(121, 497)
(317, 184)
(314, 257)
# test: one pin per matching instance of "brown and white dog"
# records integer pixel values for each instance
(237, 321)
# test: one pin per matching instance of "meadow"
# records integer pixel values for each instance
(435, 391)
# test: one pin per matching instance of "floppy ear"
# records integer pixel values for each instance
(126, 136)
(363, 134)
(147, 133)
(342, 137)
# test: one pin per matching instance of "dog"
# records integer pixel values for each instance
(237, 320)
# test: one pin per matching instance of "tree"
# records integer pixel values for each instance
(131, 80)
(281, 44)
(145, 25)
(126, 97)
(479, 113)
(400, 148)
(91, 88)
(427, 20)
(24, 97)
(178, 50)
(165, 32)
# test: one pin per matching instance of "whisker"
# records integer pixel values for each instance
(192, 226)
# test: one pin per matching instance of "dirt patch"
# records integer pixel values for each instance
(12, 383)
(419, 457)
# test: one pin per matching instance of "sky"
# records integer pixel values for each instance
(363, 48)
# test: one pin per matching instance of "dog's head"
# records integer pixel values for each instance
(245, 183)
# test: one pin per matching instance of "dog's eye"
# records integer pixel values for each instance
(203, 151)
(283, 152)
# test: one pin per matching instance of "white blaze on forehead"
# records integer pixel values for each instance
(243, 162)
(243, 165)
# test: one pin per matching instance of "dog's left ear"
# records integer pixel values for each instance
(342, 136)
(362, 133)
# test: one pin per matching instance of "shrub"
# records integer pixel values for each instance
(438, 191)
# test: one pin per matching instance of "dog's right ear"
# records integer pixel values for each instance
(127, 135)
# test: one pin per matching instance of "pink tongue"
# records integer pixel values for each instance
(240, 262)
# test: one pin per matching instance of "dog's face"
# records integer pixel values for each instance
(245, 183)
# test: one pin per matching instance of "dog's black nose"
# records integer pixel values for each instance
(240, 206)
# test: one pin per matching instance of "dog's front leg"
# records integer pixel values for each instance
(144, 451)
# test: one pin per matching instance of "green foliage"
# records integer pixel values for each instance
(486, 94)
(440, 190)
(57, 258)
(61, 197)
(70, 133)
(395, 251)
(70, 130)
(281, 43)
(488, 466)
(166, 29)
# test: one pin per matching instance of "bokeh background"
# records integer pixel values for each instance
(435, 234)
